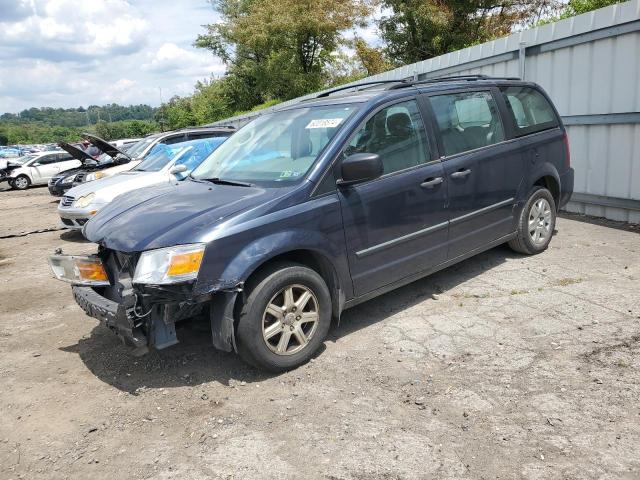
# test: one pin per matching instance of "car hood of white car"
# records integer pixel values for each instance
(106, 189)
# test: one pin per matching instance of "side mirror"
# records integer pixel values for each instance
(178, 169)
(90, 163)
(121, 160)
(360, 167)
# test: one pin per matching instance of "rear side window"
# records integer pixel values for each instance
(467, 121)
(530, 110)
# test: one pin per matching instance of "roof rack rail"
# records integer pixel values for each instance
(206, 126)
(347, 87)
(468, 78)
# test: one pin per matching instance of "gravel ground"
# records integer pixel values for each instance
(503, 366)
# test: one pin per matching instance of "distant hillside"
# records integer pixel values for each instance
(79, 117)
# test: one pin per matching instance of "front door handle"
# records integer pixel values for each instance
(461, 173)
(432, 182)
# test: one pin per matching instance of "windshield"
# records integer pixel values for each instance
(22, 160)
(189, 154)
(276, 148)
(138, 147)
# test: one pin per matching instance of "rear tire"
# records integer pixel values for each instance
(21, 182)
(536, 224)
(285, 317)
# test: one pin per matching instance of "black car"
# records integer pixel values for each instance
(110, 157)
(322, 205)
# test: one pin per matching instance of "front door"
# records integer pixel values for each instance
(45, 168)
(395, 225)
(483, 171)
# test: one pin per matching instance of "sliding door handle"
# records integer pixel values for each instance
(432, 182)
(461, 173)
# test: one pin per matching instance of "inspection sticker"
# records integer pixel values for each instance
(324, 123)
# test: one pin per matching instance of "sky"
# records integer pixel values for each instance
(70, 53)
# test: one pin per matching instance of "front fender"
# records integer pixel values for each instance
(263, 249)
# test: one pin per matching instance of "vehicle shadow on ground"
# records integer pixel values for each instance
(389, 304)
(74, 236)
(194, 361)
(603, 222)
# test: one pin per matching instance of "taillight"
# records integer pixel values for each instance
(567, 152)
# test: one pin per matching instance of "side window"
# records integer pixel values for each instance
(467, 121)
(47, 160)
(198, 135)
(64, 157)
(530, 110)
(172, 140)
(397, 134)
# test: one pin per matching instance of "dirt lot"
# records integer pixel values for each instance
(500, 367)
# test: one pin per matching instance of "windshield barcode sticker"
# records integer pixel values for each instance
(324, 123)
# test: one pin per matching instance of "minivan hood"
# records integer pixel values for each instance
(173, 214)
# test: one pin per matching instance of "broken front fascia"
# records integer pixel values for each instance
(145, 314)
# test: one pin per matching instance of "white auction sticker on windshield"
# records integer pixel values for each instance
(324, 123)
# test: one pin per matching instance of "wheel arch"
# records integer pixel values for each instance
(553, 185)
(314, 260)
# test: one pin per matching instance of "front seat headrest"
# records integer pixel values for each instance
(399, 125)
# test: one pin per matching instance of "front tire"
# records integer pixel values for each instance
(536, 224)
(285, 317)
(21, 182)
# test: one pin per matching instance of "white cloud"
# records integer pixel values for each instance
(68, 30)
(66, 53)
(170, 57)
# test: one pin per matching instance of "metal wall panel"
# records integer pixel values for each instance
(590, 66)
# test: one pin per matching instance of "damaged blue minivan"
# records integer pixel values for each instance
(321, 205)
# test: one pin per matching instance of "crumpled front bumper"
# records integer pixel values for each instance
(118, 317)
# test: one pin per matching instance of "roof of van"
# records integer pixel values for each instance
(366, 91)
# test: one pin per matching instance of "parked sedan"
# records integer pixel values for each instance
(38, 168)
(165, 164)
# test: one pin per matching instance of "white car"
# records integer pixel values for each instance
(164, 164)
(38, 168)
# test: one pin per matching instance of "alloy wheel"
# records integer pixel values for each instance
(290, 320)
(540, 221)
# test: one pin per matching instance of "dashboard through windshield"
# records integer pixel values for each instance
(277, 148)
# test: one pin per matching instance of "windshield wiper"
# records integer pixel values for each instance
(222, 181)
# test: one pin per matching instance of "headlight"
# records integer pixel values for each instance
(95, 176)
(169, 265)
(83, 270)
(84, 201)
(69, 179)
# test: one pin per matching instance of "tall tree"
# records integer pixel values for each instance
(278, 48)
(416, 30)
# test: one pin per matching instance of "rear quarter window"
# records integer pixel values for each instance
(531, 112)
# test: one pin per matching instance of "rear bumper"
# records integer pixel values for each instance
(566, 187)
(113, 315)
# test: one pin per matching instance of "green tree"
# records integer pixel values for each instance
(416, 30)
(577, 7)
(278, 49)
(373, 60)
